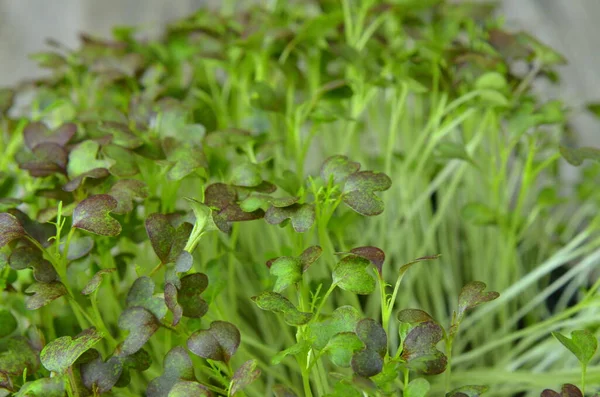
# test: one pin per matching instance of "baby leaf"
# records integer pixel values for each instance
(219, 342)
(43, 293)
(343, 319)
(121, 134)
(350, 274)
(125, 191)
(45, 159)
(419, 348)
(583, 344)
(245, 375)
(94, 283)
(189, 297)
(10, 229)
(167, 241)
(141, 325)
(100, 375)
(246, 174)
(369, 361)
(282, 391)
(27, 256)
(76, 182)
(37, 133)
(276, 303)
(139, 361)
(567, 390)
(171, 302)
(417, 388)
(16, 355)
(61, 353)
(468, 391)
(288, 270)
(472, 295)
(83, 159)
(576, 156)
(302, 216)
(338, 168)
(224, 198)
(290, 351)
(359, 191)
(78, 247)
(8, 323)
(43, 387)
(375, 255)
(92, 215)
(182, 157)
(125, 163)
(185, 388)
(177, 367)
(141, 294)
(341, 347)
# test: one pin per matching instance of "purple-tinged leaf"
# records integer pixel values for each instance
(30, 257)
(44, 160)
(61, 353)
(39, 231)
(359, 191)
(367, 363)
(92, 215)
(37, 133)
(419, 348)
(375, 255)
(189, 297)
(10, 229)
(472, 295)
(78, 247)
(43, 293)
(101, 375)
(219, 342)
(172, 304)
(125, 191)
(283, 391)
(341, 347)
(302, 216)
(94, 283)
(414, 316)
(122, 135)
(78, 181)
(338, 168)
(244, 376)
(141, 294)
(167, 241)
(177, 367)
(372, 334)
(141, 325)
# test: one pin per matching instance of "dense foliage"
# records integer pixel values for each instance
(235, 208)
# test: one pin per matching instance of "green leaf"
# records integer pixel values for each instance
(167, 241)
(92, 215)
(83, 159)
(94, 283)
(43, 293)
(341, 347)
(141, 325)
(44, 387)
(125, 161)
(350, 274)
(244, 376)
(338, 168)
(576, 156)
(185, 388)
(417, 388)
(16, 355)
(10, 229)
(177, 367)
(288, 270)
(8, 323)
(247, 175)
(343, 319)
(141, 294)
(61, 353)
(290, 351)
(583, 344)
(183, 158)
(276, 303)
(373, 254)
(219, 342)
(492, 81)
(359, 192)
(468, 391)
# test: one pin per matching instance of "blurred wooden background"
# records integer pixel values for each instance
(567, 25)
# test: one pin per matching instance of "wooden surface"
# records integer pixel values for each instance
(567, 25)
